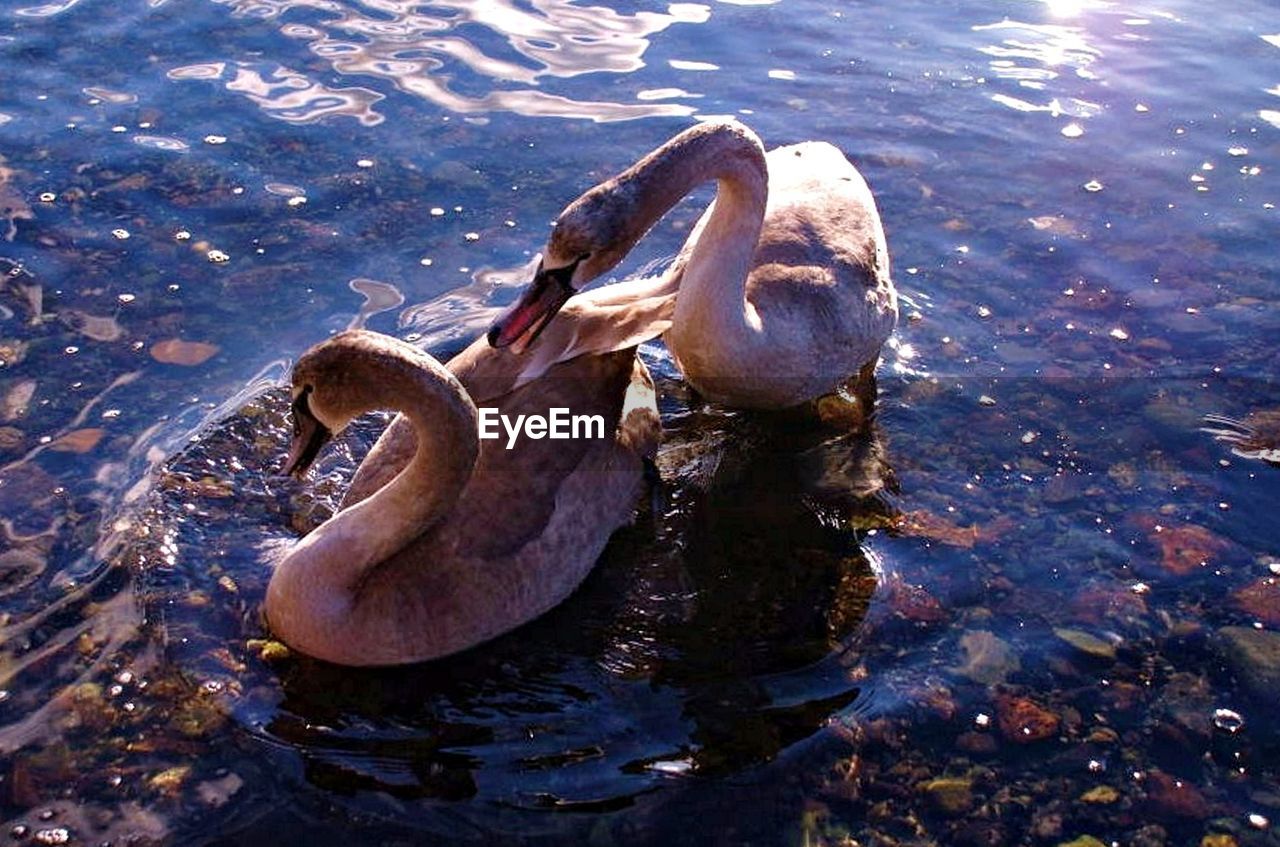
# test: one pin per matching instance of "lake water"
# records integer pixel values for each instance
(1036, 605)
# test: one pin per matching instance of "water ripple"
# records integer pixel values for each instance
(287, 95)
(441, 56)
(1034, 54)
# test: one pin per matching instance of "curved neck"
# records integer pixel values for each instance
(337, 556)
(711, 276)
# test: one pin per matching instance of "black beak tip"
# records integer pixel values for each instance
(494, 335)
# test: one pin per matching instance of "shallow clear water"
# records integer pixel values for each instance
(1035, 605)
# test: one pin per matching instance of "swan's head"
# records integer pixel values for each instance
(589, 238)
(328, 393)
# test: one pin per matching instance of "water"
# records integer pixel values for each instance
(1016, 613)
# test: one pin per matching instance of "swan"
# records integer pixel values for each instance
(784, 285)
(450, 540)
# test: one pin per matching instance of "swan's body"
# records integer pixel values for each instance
(468, 539)
(782, 291)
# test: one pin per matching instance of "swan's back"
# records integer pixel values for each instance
(819, 283)
(531, 522)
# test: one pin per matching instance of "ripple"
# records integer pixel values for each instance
(48, 10)
(378, 297)
(204, 70)
(423, 53)
(161, 142)
(110, 96)
(1034, 54)
(685, 65)
(288, 95)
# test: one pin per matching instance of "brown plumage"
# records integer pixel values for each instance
(782, 290)
(449, 540)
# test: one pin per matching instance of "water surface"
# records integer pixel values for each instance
(1034, 604)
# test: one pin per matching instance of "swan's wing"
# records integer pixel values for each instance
(490, 374)
(388, 456)
(514, 493)
(639, 425)
(585, 328)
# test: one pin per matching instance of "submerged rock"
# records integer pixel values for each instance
(949, 795)
(1254, 657)
(1090, 645)
(1168, 796)
(1023, 721)
(988, 659)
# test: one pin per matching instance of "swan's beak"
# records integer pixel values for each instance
(309, 435)
(526, 318)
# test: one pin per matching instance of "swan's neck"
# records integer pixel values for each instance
(322, 575)
(712, 277)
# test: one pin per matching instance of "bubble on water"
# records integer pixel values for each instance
(215, 139)
(60, 835)
(120, 233)
(1119, 334)
(1228, 721)
(982, 720)
(1237, 151)
(1072, 130)
(48, 197)
(217, 257)
(126, 298)
(364, 163)
(296, 201)
(984, 311)
(1092, 186)
(1258, 821)
(472, 236)
(1030, 436)
(986, 400)
(436, 211)
(1141, 107)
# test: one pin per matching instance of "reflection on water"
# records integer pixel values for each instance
(468, 57)
(288, 95)
(1036, 55)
